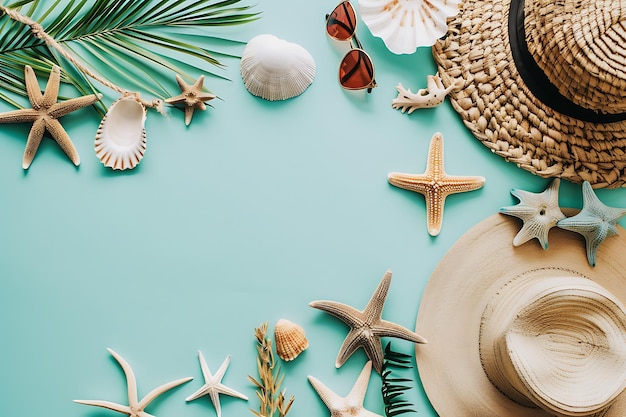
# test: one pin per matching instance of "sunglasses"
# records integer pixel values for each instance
(356, 70)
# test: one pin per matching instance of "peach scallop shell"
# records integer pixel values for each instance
(121, 137)
(274, 69)
(290, 339)
(404, 25)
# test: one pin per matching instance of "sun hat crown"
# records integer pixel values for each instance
(579, 45)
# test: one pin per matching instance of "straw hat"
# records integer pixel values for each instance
(524, 332)
(544, 83)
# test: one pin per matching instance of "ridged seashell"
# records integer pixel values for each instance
(407, 24)
(290, 339)
(274, 69)
(121, 136)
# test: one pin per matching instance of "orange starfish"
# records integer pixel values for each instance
(435, 185)
(44, 114)
(191, 96)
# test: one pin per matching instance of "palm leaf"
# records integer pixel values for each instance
(137, 42)
(393, 388)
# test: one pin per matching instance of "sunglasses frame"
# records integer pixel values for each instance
(353, 47)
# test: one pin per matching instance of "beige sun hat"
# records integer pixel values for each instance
(524, 332)
(544, 83)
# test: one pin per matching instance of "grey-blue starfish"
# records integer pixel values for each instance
(595, 222)
(540, 212)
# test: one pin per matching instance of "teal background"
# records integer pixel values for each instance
(245, 216)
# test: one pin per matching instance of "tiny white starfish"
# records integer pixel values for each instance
(135, 408)
(350, 406)
(213, 385)
(540, 212)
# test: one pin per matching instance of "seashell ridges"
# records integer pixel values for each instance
(121, 137)
(405, 25)
(275, 69)
(290, 339)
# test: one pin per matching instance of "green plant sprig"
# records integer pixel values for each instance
(393, 388)
(270, 379)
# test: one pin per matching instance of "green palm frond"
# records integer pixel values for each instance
(133, 41)
(393, 388)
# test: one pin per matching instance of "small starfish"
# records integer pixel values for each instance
(540, 212)
(367, 326)
(44, 114)
(435, 185)
(595, 222)
(213, 385)
(135, 407)
(191, 96)
(350, 406)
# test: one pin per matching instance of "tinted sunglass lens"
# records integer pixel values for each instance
(356, 70)
(341, 23)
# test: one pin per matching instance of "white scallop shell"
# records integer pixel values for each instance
(274, 69)
(405, 25)
(121, 136)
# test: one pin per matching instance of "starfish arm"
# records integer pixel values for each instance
(188, 114)
(223, 389)
(374, 308)
(202, 96)
(332, 401)
(106, 404)
(357, 393)
(68, 106)
(199, 83)
(418, 183)
(181, 83)
(349, 315)
(131, 381)
(176, 99)
(435, 203)
(374, 351)
(215, 399)
(204, 390)
(20, 116)
(32, 143)
(160, 390)
(532, 230)
(32, 87)
(222, 370)
(386, 328)
(460, 184)
(52, 88)
(521, 211)
(434, 166)
(354, 340)
(60, 135)
(206, 372)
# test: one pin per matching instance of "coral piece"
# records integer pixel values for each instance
(290, 339)
(432, 96)
(192, 96)
(121, 137)
(367, 326)
(45, 113)
(213, 385)
(408, 24)
(135, 408)
(435, 185)
(539, 211)
(595, 222)
(274, 69)
(352, 404)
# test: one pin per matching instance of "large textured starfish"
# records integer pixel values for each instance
(45, 113)
(540, 212)
(435, 185)
(213, 385)
(191, 96)
(135, 408)
(367, 326)
(352, 405)
(595, 222)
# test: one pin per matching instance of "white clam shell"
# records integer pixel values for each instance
(274, 69)
(121, 137)
(405, 25)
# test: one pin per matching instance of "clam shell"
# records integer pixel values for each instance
(405, 25)
(121, 137)
(290, 339)
(274, 69)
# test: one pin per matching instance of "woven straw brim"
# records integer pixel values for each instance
(499, 109)
(463, 284)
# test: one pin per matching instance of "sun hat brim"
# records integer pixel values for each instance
(501, 111)
(452, 305)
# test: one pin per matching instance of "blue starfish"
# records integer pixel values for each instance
(595, 222)
(540, 212)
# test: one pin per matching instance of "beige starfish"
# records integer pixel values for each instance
(352, 405)
(191, 96)
(135, 408)
(367, 326)
(435, 185)
(44, 114)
